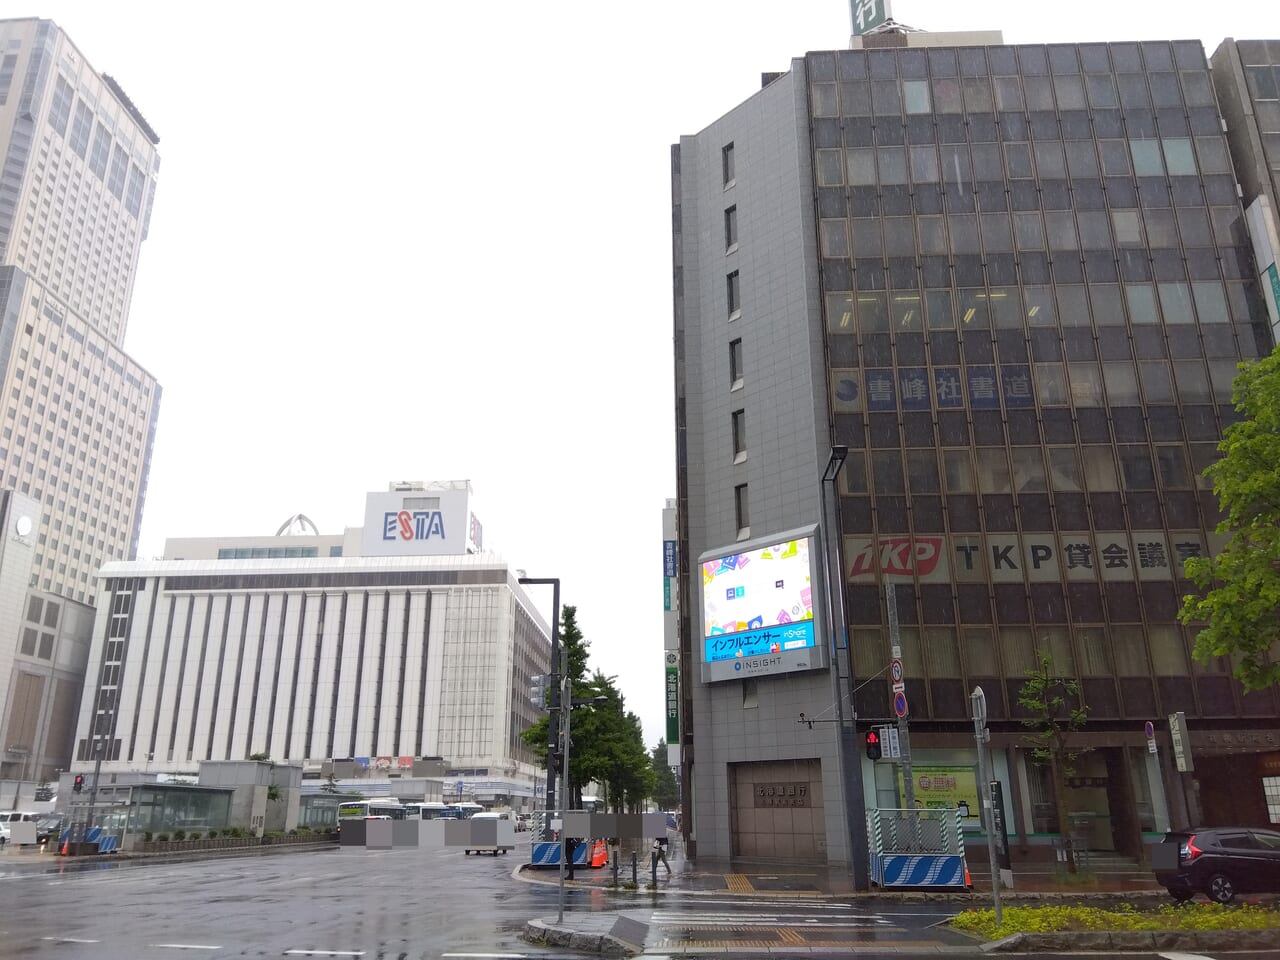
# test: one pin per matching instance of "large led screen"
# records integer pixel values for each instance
(759, 602)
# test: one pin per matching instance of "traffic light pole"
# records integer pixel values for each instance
(553, 708)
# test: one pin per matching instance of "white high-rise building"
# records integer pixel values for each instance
(77, 414)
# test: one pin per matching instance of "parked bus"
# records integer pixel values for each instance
(427, 811)
(381, 809)
(462, 811)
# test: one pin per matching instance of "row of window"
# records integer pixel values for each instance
(1028, 60)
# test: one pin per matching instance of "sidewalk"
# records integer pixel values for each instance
(1030, 882)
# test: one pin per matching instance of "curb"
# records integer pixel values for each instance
(1144, 941)
(1011, 897)
(224, 852)
(607, 944)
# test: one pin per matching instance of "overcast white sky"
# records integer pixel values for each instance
(433, 241)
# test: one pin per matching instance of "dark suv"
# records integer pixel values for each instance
(1218, 862)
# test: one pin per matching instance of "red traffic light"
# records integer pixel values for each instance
(78, 785)
(873, 745)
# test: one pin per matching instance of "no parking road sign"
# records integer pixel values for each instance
(900, 704)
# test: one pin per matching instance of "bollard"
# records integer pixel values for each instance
(653, 868)
(613, 862)
(633, 867)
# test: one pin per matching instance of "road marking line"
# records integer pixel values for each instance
(324, 953)
(187, 946)
(69, 940)
(492, 956)
(1184, 956)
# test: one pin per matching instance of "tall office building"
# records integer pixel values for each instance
(78, 413)
(1015, 282)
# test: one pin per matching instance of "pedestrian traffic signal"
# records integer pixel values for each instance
(78, 785)
(873, 745)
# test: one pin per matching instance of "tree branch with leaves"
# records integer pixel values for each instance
(1238, 609)
(1055, 712)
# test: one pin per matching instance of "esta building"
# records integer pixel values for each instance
(1015, 282)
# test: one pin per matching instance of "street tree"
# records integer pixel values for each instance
(1238, 610)
(666, 792)
(330, 784)
(1055, 711)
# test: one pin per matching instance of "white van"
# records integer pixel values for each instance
(10, 817)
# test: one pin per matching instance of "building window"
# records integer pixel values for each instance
(731, 228)
(741, 510)
(733, 295)
(726, 164)
(739, 436)
(735, 363)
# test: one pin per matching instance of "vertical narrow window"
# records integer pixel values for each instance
(726, 164)
(741, 510)
(733, 295)
(739, 435)
(731, 228)
(735, 363)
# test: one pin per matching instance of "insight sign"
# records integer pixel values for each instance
(758, 609)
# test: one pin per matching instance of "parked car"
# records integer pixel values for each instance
(49, 829)
(4, 833)
(1219, 862)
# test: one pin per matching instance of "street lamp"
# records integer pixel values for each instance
(850, 762)
(553, 708)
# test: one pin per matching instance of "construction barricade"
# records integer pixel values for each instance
(917, 848)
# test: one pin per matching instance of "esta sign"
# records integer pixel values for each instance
(412, 525)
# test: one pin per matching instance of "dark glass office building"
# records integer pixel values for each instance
(1016, 282)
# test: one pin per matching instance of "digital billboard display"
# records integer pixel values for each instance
(758, 603)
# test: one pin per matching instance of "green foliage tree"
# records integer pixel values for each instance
(330, 784)
(607, 742)
(1240, 603)
(266, 757)
(1055, 712)
(666, 792)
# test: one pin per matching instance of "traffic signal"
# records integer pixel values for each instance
(538, 691)
(78, 785)
(873, 744)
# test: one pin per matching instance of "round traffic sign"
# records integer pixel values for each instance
(900, 704)
(895, 670)
(1149, 729)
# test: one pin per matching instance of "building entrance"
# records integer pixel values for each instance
(776, 810)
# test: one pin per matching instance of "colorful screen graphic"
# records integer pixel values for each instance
(758, 603)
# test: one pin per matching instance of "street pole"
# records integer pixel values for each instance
(566, 699)
(553, 708)
(98, 746)
(850, 761)
(981, 735)
(904, 734)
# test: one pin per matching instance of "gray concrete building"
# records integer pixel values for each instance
(1015, 283)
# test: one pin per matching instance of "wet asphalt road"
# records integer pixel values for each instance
(396, 904)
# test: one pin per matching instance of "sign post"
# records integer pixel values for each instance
(978, 701)
(1181, 742)
(1149, 729)
(899, 690)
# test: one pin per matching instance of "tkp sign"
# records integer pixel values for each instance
(897, 556)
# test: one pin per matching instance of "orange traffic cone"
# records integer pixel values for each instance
(968, 880)
(599, 854)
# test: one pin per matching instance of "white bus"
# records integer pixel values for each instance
(427, 811)
(379, 809)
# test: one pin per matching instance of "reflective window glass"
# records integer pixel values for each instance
(922, 471)
(835, 238)
(873, 312)
(1086, 384)
(1105, 300)
(906, 315)
(1051, 384)
(1073, 305)
(1222, 374)
(886, 99)
(977, 94)
(1213, 156)
(1008, 93)
(924, 164)
(1171, 462)
(1060, 229)
(1146, 158)
(862, 166)
(1050, 161)
(1175, 303)
(1115, 158)
(1038, 302)
(1211, 301)
(1128, 227)
(1156, 386)
(933, 235)
(1099, 468)
(1122, 383)
(938, 309)
(993, 471)
(893, 164)
(957, 471)
(1070, 93)
(866, 238)
(1017, 158)
(1028, 231)
(1135, 465)
(946, 96)
(830, 165)
(1191, 381)
(1102, 91)
(1179, 157)
(1141, 298)
(915, 96)
(1064, 469)
(1082, 159)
